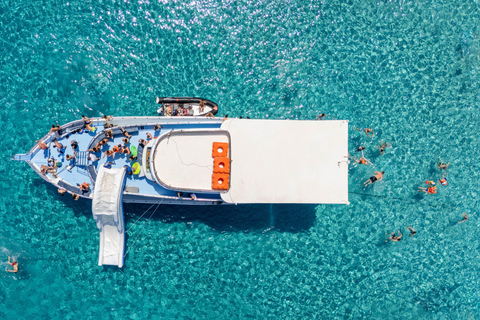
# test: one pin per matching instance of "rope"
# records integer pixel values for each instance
(372, 195)
(140, 217)
(142, 228)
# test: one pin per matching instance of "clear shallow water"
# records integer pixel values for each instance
(408, 70)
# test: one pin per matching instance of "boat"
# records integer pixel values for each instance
(186, 106)
(191, 160)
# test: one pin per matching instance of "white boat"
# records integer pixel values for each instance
(184, 106)
(195, 161)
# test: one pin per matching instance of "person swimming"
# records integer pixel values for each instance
(412, 231)
(394, 237)
(377, 177)
(465, 218)
(383, 146)
(14, 264)
(443, 166)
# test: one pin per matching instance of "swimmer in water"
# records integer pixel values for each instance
(360, 149)
(465, 218)
(429, 190)
(377, 177)
(383, 146)
(14, 264)
(362, 160)
(367, 131)
(412, 231)
(394, 237)
(321, 116)
(443, 166)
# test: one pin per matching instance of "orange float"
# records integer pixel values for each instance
(220, 150)
(221, 165)
(220, 181)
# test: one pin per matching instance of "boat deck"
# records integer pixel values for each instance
(80, 173)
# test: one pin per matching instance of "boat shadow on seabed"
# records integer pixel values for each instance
(252, 217)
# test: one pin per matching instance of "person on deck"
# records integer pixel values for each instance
(377, 177)
(128, 169)
(59, 147)
(14, 264)
(125, 133)
(87, 123)
(41, 145)
(85, 187)
(55, 128)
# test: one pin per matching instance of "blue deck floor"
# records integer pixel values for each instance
(79, 174)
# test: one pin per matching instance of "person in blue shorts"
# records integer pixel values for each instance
(128, 169)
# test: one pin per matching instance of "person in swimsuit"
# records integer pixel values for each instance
(321, 116)
(42, 145)
(465, 218)
(62, 191)
(412, 231)
(360, 149)
(75, 196)
(443, 166)
(86, 123)
(109, 134)
(55, 128)
(126, 140)
(377, 177)
(59, 147)
(383, 146)
(108, 153)
(128, 169)
(149, 136)
(394, 237)
(362, 160)
(157, 127)
(125, 133)
(142, 142)
(368, 131)
(14, 264)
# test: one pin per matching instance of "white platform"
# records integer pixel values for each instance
(287, 161)
(107, 210)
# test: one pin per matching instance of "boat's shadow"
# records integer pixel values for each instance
(235, 218)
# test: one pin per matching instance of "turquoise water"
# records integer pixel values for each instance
(408, 70)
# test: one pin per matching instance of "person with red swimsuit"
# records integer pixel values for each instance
(14, 264)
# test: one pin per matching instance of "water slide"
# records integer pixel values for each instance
(107, 211)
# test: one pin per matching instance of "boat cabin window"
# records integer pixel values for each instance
(147, 159)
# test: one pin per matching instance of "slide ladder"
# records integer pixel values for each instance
(107, 209)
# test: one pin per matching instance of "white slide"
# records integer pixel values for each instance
(107, 210)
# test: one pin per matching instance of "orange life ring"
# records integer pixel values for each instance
(220, 181)
(221, 165)
(220, 150)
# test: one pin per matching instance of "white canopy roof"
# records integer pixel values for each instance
(287, 161)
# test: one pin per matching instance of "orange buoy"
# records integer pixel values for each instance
(220, 150)
(221, 165)
(220, 181)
